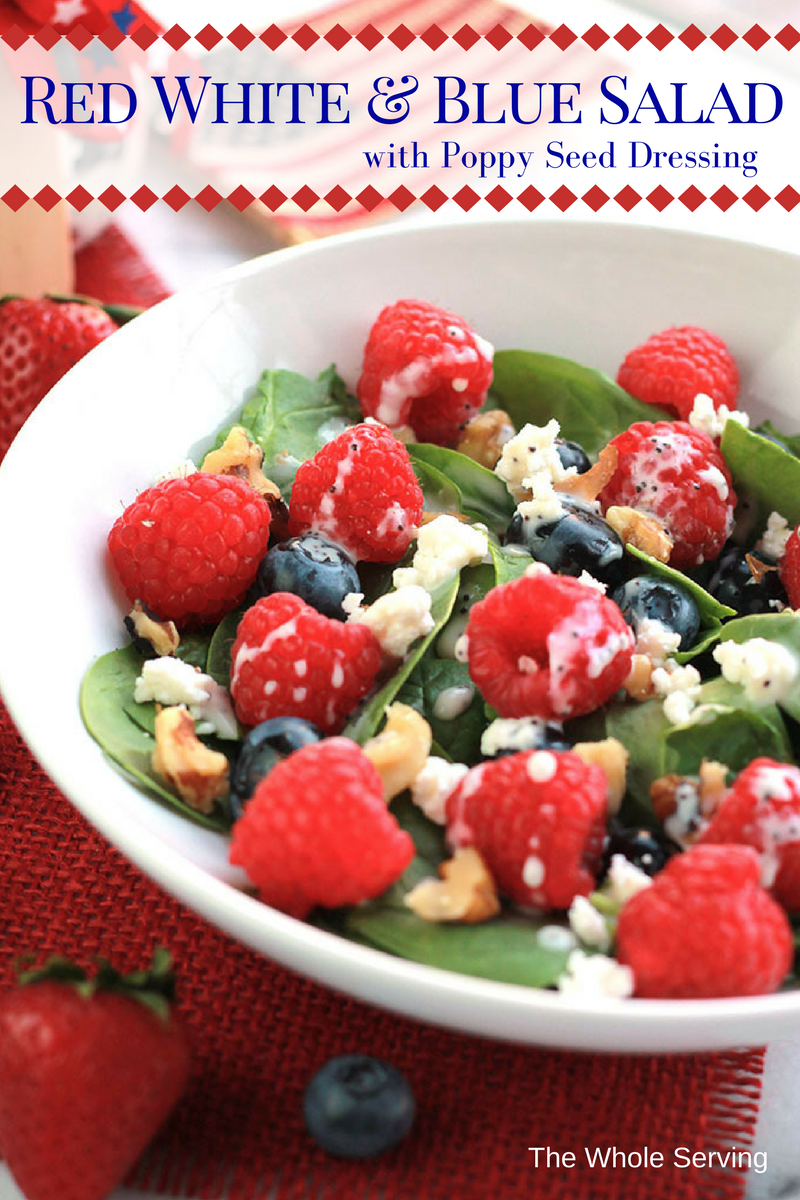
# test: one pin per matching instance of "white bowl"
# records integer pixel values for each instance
(167, 381)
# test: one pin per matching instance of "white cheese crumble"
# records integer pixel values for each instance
(531, 459)
(588, 923)
(656, 640)
(437, 780)
(444, 546)
(714, 476)
(590, 581)
(680, 686)
(511, 733)
(544, 504)
(171, 681)
(595, 977)
(766, 670)
(625, 880)
(713, 421)
(775, 537)
(181, 470)
(397, 619)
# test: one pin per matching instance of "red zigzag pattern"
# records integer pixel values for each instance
(433, 37)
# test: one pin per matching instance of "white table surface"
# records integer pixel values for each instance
(191, 245)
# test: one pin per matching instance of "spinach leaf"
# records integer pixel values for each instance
(106, 690)
(590, 407)
(768, 475)
(218, 661)
(291, 416)
(193, 648)
(509, 562)
(792, 440)
(365, 722)
(461, 737)
(711, 611)
(783, 628)
(440, 494)
(482, 492)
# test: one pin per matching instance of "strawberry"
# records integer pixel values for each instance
(39, 341)
(89, 1070)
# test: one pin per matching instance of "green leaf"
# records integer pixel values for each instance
(590, 407)
(218, 661)
(106, 689)
(482, 492)
(783, 628)
(507, 949)
(792, 440)
(366, 721)
(461, 737)
(291, 416)
(193, 648)
(707, 639)
(710, 609)
(509, 562)
(768, 475)
(439, 493)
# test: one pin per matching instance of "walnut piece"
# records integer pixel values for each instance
(713, 785)
(590, 484)
(239, 456)
(198, 774)
(484, 437)
(639, 684)
(758, 569)
(612, 757)
(401, 749)
(663, 794)
(466, 891)
(144, 627)
(641, 530)
(709, 788)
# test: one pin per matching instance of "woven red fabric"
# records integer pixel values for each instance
(259, 1032)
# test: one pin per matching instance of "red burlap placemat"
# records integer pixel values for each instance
(259, 1031)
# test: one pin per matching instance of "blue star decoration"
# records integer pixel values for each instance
(124, 17)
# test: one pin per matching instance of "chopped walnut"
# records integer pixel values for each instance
(663, 794)
(590, 484)
(641, 530)
(705, 790)
(484, 437)
(713, 785)
(404, 434)
(639, 684)
(612, 757)
(239, 456)
(401, 750)
(758, 569)
(466, 891)
(198, 774)
(150, 634)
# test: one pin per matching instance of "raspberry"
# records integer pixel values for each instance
(289, 660)
(190, 548)
(538, 819)
(673, 367)
(547, 646)
(360, 491)
(317, 831)
(762, 810)
(790, 569)
(676, 473)
(426, 368)
(705, 928)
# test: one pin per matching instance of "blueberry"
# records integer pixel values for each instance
(734, 583)
(356, 1106)
(646, 597)
(262, 749)
(578, 540)
(572, 454)
(647, 850)
(316, 570)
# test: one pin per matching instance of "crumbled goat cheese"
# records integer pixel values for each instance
(588, 923)
(531, 458)
(544, 504)
(714, 476)
(397, 619)
(656, 640)
(181, 470)
(776, 535)
(680, 686)
(595, 977)
(590, 581)
(171, 681)
(625, 880)
(511, 733)
(437, 780)
(766, 670)
(352, 602)
(444, 546)
(705, 418)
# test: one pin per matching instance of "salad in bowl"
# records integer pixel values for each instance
(483, 659)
